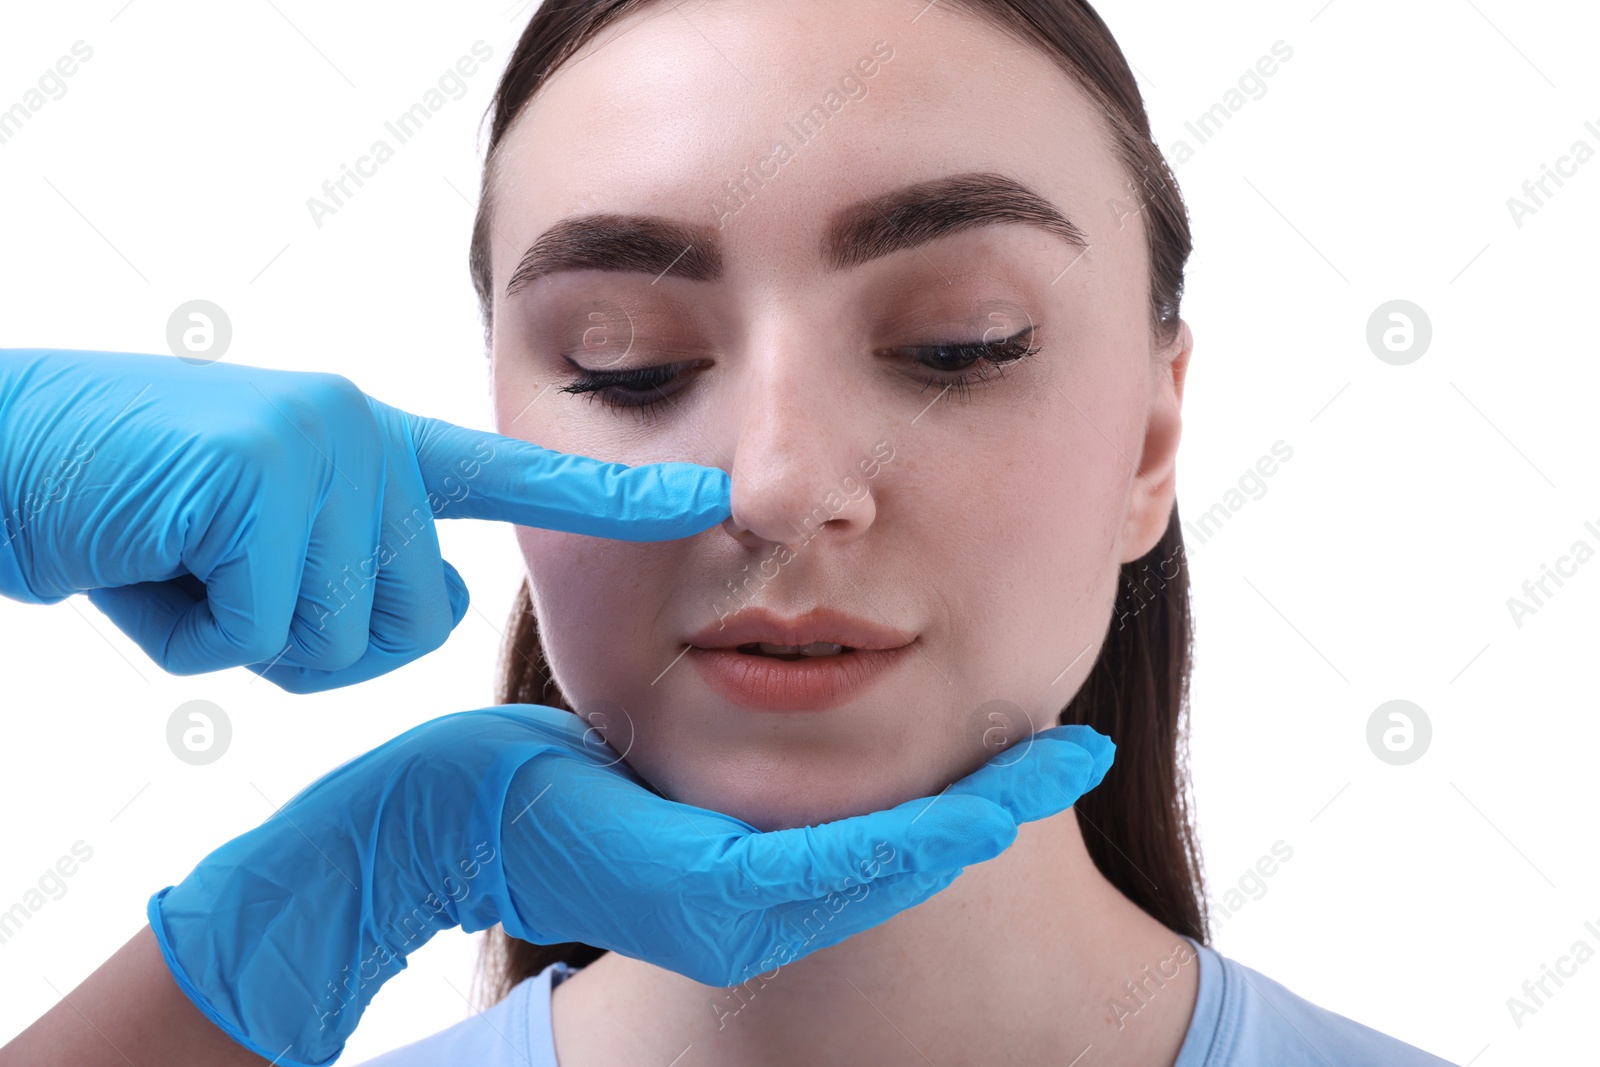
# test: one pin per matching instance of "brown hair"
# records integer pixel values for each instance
(1139, 830)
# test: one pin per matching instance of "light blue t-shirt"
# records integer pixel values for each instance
(1242, 1018)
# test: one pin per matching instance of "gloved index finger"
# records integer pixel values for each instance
(930, 834)
(471, 474)
(1042, 774)
(972, 820)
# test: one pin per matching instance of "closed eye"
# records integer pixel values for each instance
(952, 363)
(957, 365)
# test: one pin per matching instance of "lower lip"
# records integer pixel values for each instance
(816, 683)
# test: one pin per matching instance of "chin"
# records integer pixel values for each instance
(779, 789)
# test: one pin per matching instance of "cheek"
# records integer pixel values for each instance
(595, 600)
(1035, 527)
(516, 393)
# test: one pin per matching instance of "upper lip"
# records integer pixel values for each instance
(820, 624)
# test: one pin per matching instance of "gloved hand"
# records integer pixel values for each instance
(225, 515)
(522, 815)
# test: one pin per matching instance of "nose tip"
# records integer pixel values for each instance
(779, 511)
(799, 464)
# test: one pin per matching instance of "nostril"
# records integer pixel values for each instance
(738, 531)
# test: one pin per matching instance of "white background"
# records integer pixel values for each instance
(1376, 566)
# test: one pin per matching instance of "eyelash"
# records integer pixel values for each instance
(602, 385)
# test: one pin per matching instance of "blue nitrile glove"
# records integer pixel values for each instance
(224, 515)
(522, 815)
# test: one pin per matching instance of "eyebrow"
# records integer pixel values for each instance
(880, 225)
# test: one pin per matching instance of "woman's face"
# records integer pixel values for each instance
(843, 192)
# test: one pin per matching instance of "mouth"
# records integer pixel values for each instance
(817, 661)
(820, 632)
(814, 650)
(795, 681)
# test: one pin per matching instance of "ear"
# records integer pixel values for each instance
(1155, 488)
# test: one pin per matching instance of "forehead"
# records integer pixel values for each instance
(762, 119)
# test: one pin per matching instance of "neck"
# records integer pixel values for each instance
(1031, 957)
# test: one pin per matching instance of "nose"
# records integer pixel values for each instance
(804, 459)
